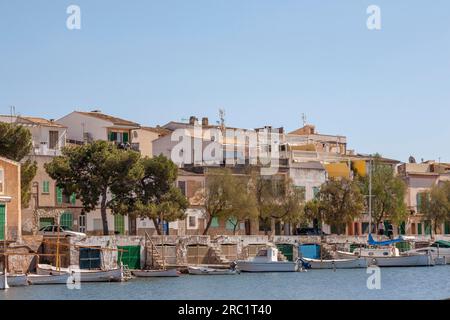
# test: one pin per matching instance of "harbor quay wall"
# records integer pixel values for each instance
(179, 251)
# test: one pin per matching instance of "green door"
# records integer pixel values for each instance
(131, 256)
(419, 228)
(45, 222)
(287, 251)
(2, 221)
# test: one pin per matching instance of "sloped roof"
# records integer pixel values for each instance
(308, 165)
(161, 131)
(116, 121)
(42, 122)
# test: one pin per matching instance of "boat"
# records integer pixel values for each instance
(438, 250)
(13, 280)
(334, 264)
(37, 279)
(156, 273)
(413, 260)
(210, 271)
(266, 261)
(369, 253)
(113, 275)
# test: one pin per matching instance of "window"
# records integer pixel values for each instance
(421, 198)
(231, 223)
(82, 223)
(119, 224)
(215, 222)
(2, 181)
(53, 139)
(59, 195)
(45, 186)
(447, 227)
(2, 221)
(98, 224)
(73, 198)
(118, 136)
(182, 186)
(316, 192)
(66, 220)
(192, 222)
(427, 225)
(45, 222)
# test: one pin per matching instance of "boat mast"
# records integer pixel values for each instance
(370, 195)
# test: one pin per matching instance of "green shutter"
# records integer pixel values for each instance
(59, 195)
(419, 202)
(447, 227)
(402, 228)
(73, 198)
(125, 137)
(2, 221)
(215, 222)
(66, 220)
(428, 227)
(419, 228)
(316, 192)
(46, 187)
(44, 222)
(119, 224)
(231, 223)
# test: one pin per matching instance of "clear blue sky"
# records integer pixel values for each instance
(265, 62)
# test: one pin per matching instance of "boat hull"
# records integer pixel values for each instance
(13, 281)
(336, 264)
(114, 275)
(156, 273)
(278, 266)
(36, 279)
(402, 261)
(208, 271)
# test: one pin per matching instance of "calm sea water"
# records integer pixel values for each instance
(396, 283)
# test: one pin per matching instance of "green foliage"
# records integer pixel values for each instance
(28, 171)
(15, 141)
(436, 204)
(228, 196)
(153, 194)
(388, 193)
(278, 199)
(340, 201)
(91, 171)
(16, 144)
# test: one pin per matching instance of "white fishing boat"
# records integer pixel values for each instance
(334, 264)
(37, 279)
(13, 280)
(369, 253)
(210, 271)
(439, 250)
(113, 275)
(156, 273)
(266, 261)
(415, 260)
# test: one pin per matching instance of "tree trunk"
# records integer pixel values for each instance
(156, 223)
(205, 232)
(103, 214)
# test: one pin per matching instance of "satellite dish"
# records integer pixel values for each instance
(412, 159)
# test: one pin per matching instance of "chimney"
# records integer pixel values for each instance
(192, 120)
(205, 121)
(96, 111)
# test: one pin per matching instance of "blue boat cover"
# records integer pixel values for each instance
(372, 242)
